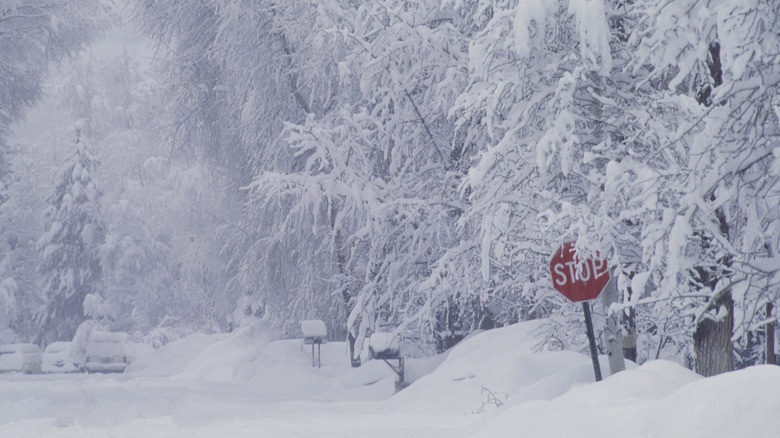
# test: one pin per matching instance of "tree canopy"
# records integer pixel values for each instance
(410, 167)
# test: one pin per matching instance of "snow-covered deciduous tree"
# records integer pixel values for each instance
(21, 212)
(377, 176)
(361, 122)
(70, 267)
(639, 129)
(540, 107)
(716, 73)
(410, 166)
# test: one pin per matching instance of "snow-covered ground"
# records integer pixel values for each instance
(247, 384)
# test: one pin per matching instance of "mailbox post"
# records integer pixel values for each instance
(387, 346)
(314, 333)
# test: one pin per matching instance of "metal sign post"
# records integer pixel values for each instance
(592, 340)
(580, 281)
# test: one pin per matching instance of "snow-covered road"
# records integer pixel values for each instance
(139, 406)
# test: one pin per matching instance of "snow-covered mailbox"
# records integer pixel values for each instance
(314, 333)
(387, 346)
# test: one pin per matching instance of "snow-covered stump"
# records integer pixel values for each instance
(314, 333)
(387, 346)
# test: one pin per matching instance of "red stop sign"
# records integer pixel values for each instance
(578, 283)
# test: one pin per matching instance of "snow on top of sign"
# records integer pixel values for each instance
(314, 328)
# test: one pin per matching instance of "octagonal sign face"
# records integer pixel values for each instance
(578, 283)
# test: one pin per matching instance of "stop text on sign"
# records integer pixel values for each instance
(570, 272)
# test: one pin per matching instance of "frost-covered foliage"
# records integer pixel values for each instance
(656, 148)
(411, 165)
(35, 32)
(156, 258)
(715, 237)
(377, 172)
(345, 138)
(540, 105)
(159, 213)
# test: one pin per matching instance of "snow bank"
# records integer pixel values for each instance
(255, 357)
(282, 368)
(494, 384)
(658, 399)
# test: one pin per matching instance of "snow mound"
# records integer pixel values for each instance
(499, 366)
(172, 358)
(236, 357)
(499, 378)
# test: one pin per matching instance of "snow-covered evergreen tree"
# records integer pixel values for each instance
(70, 266)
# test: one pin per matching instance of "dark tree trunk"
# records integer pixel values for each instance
(712, 346)
(355, 361)
(770, 336)
(712, 340)
(629, 340)
(346, 295)
(629, 325)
